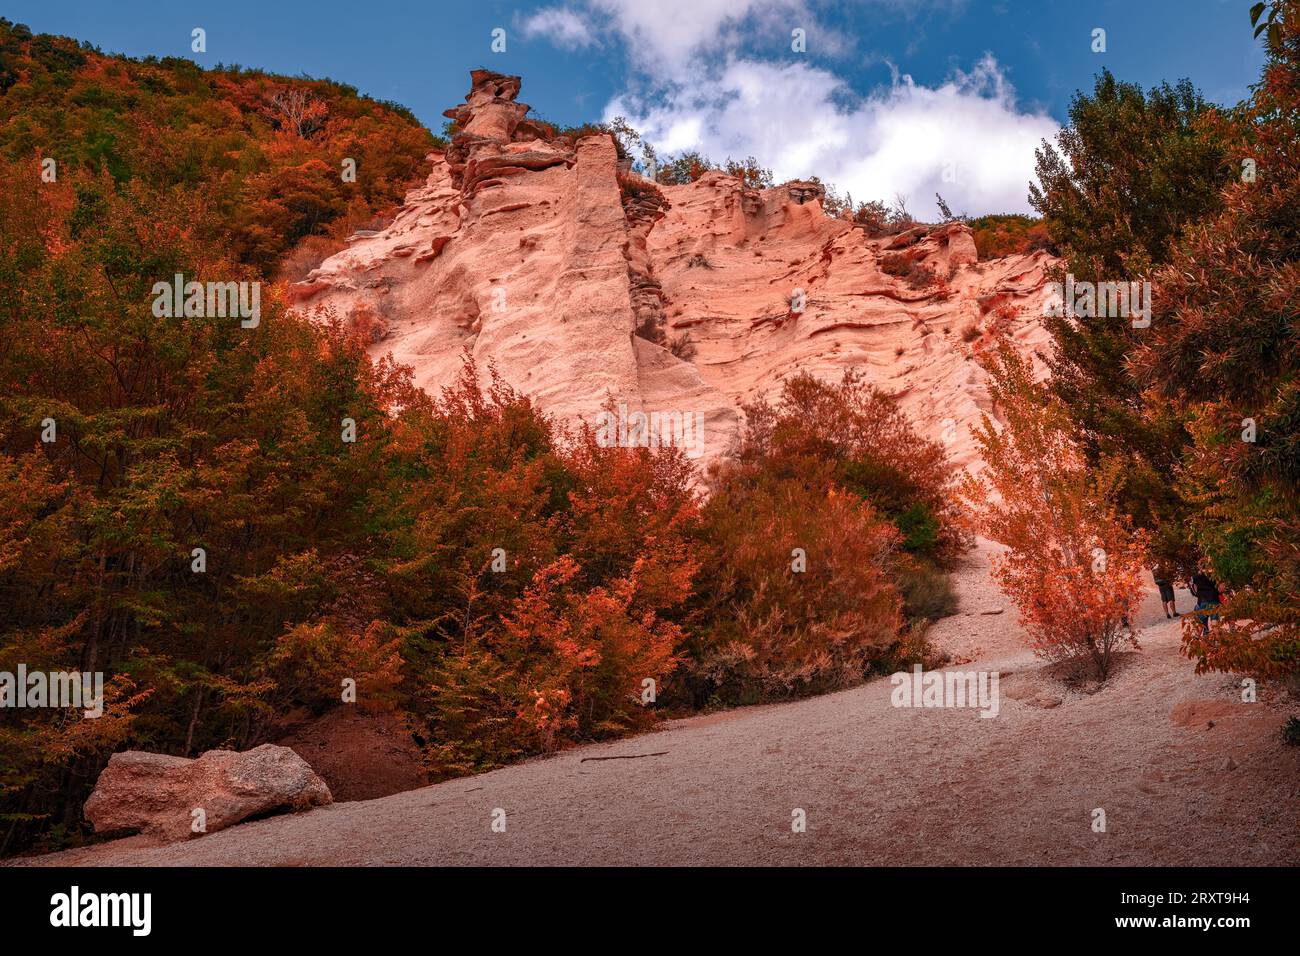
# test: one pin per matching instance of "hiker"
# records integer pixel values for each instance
(1206, 592)
(1165, 582)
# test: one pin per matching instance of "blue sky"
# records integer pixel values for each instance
(889, 96)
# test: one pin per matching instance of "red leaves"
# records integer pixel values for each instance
(781, 622)
(584, 605)
(1074, 568)
(797, 587)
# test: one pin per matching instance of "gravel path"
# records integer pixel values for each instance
(879, 785)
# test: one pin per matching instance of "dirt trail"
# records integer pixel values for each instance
(880, 785)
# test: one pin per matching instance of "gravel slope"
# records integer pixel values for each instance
(879, 784)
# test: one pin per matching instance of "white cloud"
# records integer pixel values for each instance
(563, 26)
(700, 80)
(662, 36)
(802, 120)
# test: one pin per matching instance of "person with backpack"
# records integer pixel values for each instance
(1208, 599)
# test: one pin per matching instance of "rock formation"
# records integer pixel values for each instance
(157, 794)
(587, 285)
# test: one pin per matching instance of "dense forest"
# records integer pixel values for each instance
(235, 522)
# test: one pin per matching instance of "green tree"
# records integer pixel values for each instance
(1128, 174)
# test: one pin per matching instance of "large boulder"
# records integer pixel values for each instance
(157, 794)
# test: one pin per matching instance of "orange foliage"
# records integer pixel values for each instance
(850, 435)
(265, 152)
(1073, 566)
(782, 622)
(541, 578)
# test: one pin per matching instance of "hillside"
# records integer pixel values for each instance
(264, 153)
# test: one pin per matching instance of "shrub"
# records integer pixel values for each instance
(594, 565)
(306, 256)
(839, 472)
(927, 590)
(919, 528)
(873, 217)
(749, 172)
(368, 324)
(651, 328)
(682, 346)
(689, 166)
(1010, 234)
(309, 663)
(911, 648)
(565, 664)
(851, 436)
(908, 266)
(772, 629)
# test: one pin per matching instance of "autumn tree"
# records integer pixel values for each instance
(853, 436)
(540, 578)
(796, 592)
(171, 125)
(684, 168)
(1073, 566)
(814, 538)
(298, 110)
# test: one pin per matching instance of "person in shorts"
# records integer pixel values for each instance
(1165, 582)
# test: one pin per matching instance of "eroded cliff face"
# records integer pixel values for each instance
(571, 276)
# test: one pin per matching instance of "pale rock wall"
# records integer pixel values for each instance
(524, 251)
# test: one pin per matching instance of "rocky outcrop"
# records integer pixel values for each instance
(490, 111)
(174, 798)
(573, 275)
(520, 249)
(911, 313)
(801, 192)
